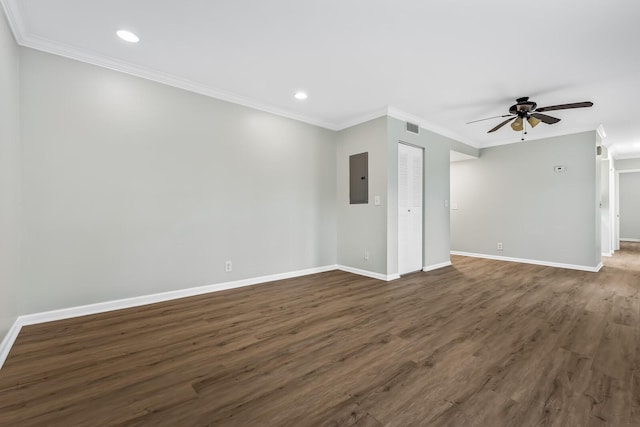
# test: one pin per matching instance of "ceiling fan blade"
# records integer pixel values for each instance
(546, 119)
(489, 118)
(502, 124)
(566, 106)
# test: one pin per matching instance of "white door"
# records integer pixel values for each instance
(409, 208)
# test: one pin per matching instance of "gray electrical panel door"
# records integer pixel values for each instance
(359, 178)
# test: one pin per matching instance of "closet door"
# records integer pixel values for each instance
(410, 178)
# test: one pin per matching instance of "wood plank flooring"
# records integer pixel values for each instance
(481, 343)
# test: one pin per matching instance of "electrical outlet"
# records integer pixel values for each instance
(499, 246)
(228, 266)
(366, 255)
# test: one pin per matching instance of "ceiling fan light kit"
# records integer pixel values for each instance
(525, 111)
(517, 124)
(533, 122)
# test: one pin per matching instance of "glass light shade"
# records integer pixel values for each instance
(517, 124)
(533, 121)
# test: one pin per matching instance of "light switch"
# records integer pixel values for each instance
(376, 200)
(446, 203)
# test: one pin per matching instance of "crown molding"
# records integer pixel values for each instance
(14, 15)
(626, 156)
(530, 138)
(13, 12)
(408, 117)
(49, 46)
(361, 119)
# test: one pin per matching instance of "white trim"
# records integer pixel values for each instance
(619, 239)
(366, 273)
(627, 156)
(408, 117)
(49, 46)
(625, 239)
(102, 307)
(9, 339)
(531, 261)
(13, 12)
(436, 266)
(607, 253)
(360, 119)
(536, 137)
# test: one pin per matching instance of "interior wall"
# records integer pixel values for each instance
(133, 187)
(512, 195)
(10, 190)
(627, 164)
(363, 227)
(629, 193)
(436, 226)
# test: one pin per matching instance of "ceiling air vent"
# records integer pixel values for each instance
(413, 128)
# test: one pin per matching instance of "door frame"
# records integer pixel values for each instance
(422, 220)
(617, 213)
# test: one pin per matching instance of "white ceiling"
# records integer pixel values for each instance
(440, 63)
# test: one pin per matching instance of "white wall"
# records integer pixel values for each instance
(629, 193)
(363, 227)
(132, 187)
(10, 284)
(512, 195)
(627, 164)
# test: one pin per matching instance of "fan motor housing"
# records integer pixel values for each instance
(523, 107)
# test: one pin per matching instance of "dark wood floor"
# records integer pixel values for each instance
(482, 343)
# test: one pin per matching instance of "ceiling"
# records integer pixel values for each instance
(441, 64)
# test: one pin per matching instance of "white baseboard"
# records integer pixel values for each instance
(102, 307)
(436, 266)
(625, 239)
(9, 339)
(531, 261)
(366, 273)
(607, 253)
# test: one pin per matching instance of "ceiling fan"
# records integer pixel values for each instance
(525, 111)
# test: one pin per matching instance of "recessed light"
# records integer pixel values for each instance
(300, 95)
(128, 36)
